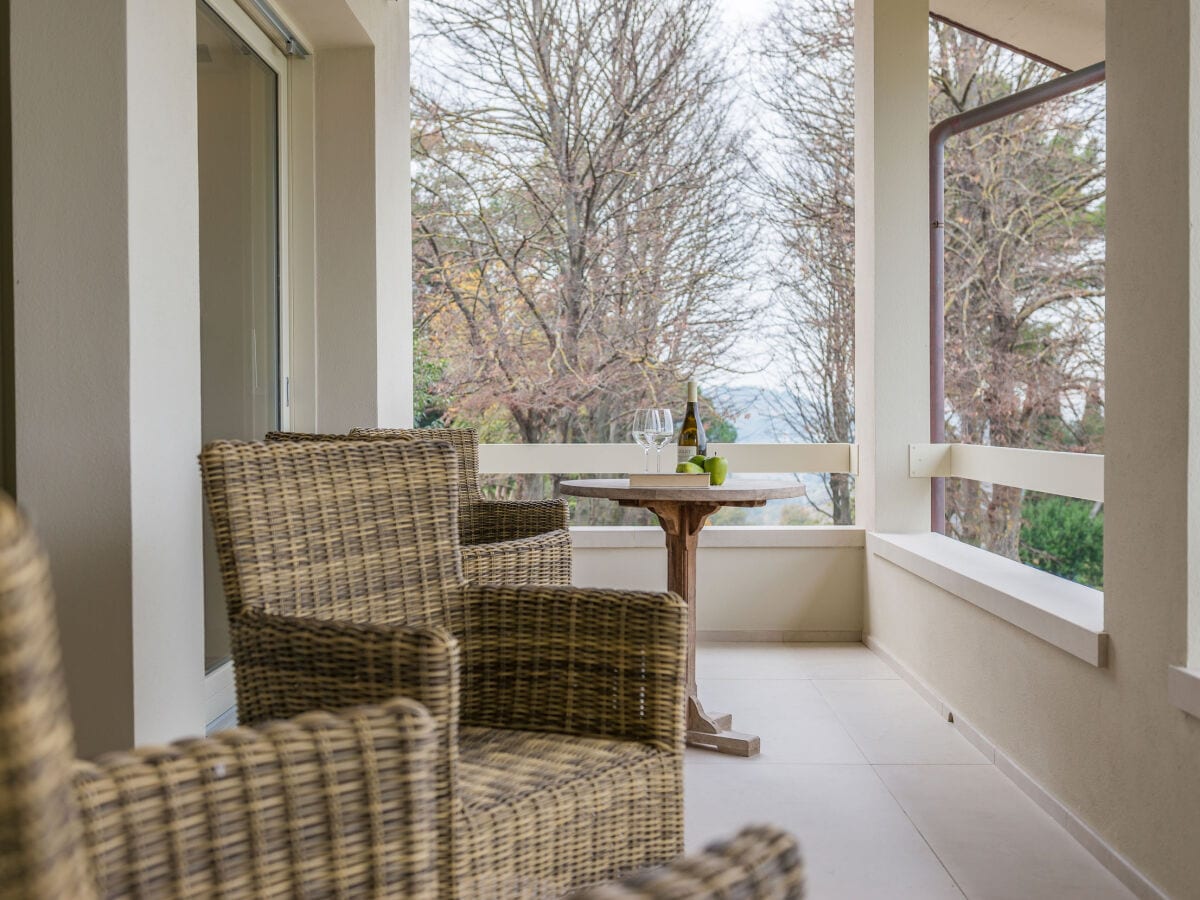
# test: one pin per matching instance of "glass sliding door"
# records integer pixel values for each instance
(239, 99)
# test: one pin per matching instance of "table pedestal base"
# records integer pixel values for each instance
(713, 732)
(682, 514)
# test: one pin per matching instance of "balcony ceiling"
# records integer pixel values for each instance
(1069, 33)
(323, 24)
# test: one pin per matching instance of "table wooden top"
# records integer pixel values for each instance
(742, 491)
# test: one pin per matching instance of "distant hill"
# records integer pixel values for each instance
(754, 412)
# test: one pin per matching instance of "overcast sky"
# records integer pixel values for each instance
(745, 12)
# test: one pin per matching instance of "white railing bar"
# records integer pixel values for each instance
(551, 459)
(1078, 475)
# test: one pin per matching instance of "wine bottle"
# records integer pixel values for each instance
(692, 441)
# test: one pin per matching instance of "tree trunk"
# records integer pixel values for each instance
(839, 495)
(1004, 521)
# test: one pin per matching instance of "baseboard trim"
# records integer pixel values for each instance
(778, 636)
(1105, 854)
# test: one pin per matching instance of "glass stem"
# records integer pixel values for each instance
(645, 460)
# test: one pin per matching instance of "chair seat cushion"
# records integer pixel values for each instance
(554, 812)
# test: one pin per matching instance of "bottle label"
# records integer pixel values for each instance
(691, 431)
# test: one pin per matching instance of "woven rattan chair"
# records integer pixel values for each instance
(503, 541)
(760, 863)
(326, 805)
(559, 709)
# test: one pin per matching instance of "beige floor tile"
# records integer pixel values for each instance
(817, 740)
(748, 660)
(760, 661)
(993, 839)
(792, 719)
(764, 699)
(857, 842)
(823, 661)
(787, 743)
(892, 724)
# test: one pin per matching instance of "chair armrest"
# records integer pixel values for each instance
(541, 559)
(576, 661)
(322, 805)
(288, 665)
(761, 863)
(488, 521)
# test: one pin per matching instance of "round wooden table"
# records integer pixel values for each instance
(682, 512)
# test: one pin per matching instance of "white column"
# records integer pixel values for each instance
(393, 222)
(1152, 418)
(346, 212)
(164, 370)
(107, 351)
(891, 261)
(364, 246)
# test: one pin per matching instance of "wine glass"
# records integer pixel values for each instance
(643, 425)
(664, 430)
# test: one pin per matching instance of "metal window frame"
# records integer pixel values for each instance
(938, 135)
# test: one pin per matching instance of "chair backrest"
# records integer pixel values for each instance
(41, 832)
(361, 531)
(464, 440)
(300, 436)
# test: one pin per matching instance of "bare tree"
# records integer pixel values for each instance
(805, 175)
(578, 235)
(1024, 274)
(583, 232)
(1024, 286)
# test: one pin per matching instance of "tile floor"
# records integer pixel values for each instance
(887, 799)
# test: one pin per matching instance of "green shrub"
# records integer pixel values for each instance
(1065, 537)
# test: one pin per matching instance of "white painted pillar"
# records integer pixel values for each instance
(364, 245)
(393, 222)
(106, 327)
(1152, 318)
(891, 262)
(346, 249)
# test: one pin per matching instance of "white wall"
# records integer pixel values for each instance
(107, 351)
(346, 211)
(358, 79)
(801, 584)
(164, 370)
(106, 318)
(1193, 477)
(1105, 741)
(387, 23)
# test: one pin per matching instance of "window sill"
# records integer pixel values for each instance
(1183, 689)
(1060, 612)
(595, 537)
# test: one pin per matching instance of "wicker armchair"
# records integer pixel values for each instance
(245, 814)
(559, 710)
(503, 541)
(760, 863)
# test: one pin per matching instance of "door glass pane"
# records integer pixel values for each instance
(239, 259)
